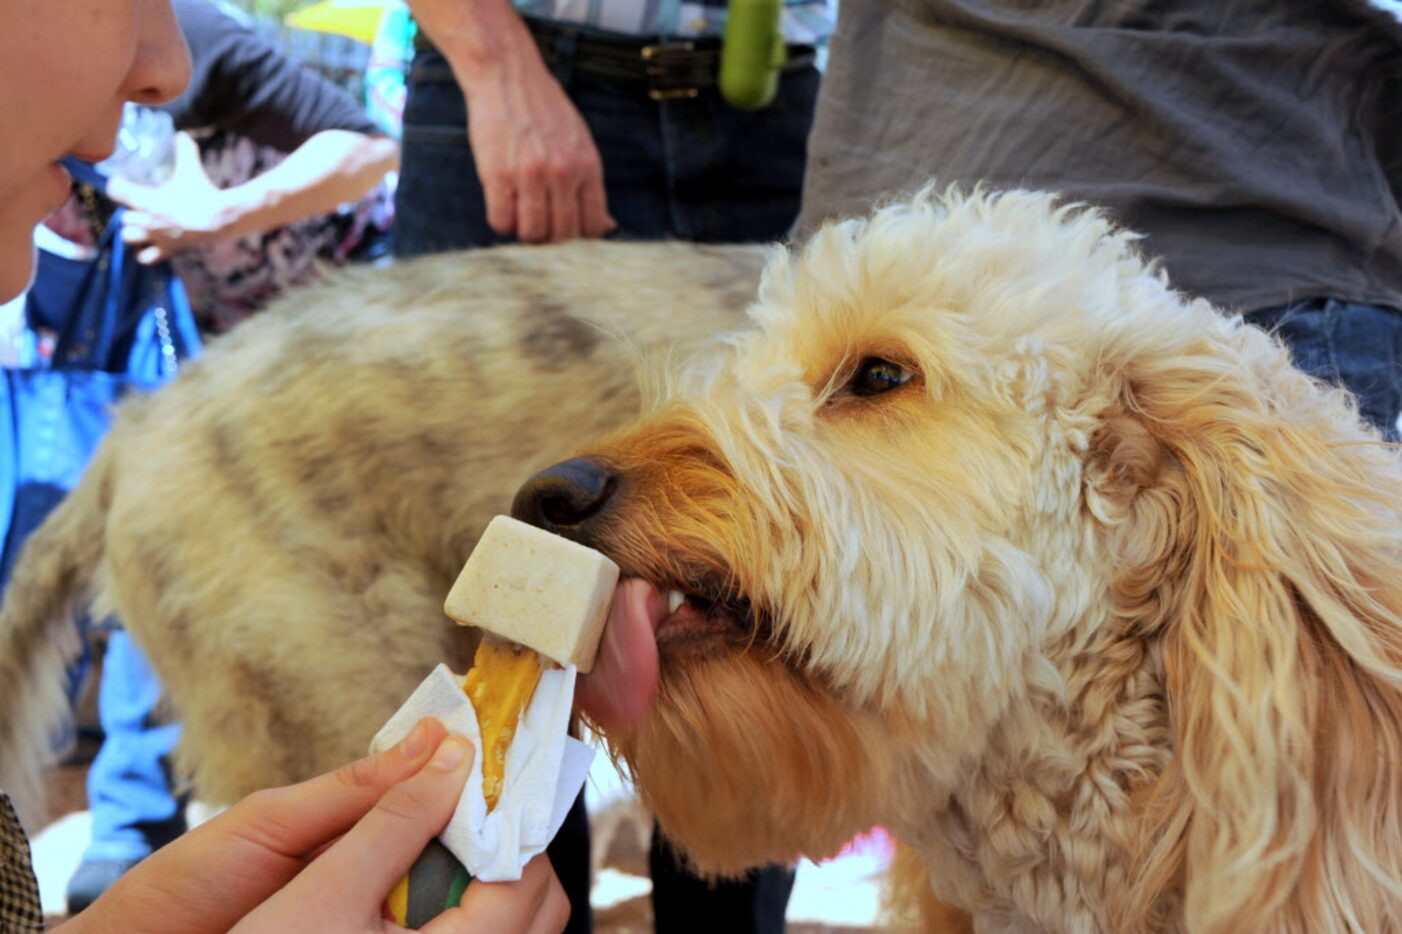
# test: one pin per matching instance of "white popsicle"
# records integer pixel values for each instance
(536, 589)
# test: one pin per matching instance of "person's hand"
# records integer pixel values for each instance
(539, 167)
(344, 888)
(185, 210)
(323, 855)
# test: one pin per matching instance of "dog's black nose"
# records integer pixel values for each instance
(567, 497)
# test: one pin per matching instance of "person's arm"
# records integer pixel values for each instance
(246, 85)
(537, 161)
(332, 168)
(329, 169)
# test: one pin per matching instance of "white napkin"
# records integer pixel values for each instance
(545, 768)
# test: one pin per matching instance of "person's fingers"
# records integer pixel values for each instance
(554, 911)
(128, 193)
(137, 226)
(532, 205)
(500, 194)
(564, 203)
(297, 819)
(536, 903)
(151, 255)
(595, 220)
(187, 154)
(366, 863)
(214, 875)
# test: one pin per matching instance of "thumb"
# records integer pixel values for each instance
(367, 862)
(187, 154)
(152, 255)
(128, 193)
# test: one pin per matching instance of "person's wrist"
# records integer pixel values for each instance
(235, 210)
(510, 55)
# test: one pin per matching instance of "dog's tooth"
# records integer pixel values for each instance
(675, 599)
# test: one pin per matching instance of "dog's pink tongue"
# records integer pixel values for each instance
(620, 690)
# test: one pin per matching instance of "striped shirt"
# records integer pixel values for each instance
(807, 22)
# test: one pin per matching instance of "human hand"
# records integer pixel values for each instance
(344, 889)
(185, 210)
(322, 855)
(540, 170)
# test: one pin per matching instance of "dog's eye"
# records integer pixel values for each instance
(875, 376)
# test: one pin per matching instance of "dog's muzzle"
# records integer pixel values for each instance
(576, 499)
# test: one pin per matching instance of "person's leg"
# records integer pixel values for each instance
(731, 176)
(129, 785)
(737, 175)
(438, 204)
(625, 124)
(629, 129)
(569, 856)
(1354, 345)
(681, 900)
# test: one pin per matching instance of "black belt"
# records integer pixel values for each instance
(665, 68)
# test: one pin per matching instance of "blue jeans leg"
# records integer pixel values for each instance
(129, 785)
(1350, 344)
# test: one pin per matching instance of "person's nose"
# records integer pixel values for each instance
(161, 67)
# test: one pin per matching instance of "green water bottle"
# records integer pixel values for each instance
(752, 53)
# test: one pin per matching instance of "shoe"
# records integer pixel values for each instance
(92, 878)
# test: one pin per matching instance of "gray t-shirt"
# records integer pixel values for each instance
(1258, 143)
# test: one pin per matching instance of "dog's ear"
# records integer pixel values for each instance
(1260, 542)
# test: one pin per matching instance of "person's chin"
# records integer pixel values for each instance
(16, 255)
(16, 266)
(25, 210)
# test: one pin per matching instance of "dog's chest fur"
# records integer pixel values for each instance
(1040, 835)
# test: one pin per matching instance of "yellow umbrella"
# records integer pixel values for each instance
(355, 19)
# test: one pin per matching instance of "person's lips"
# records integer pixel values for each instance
(619, 692)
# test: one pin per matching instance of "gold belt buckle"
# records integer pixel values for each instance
(655, 56)
(672, 94)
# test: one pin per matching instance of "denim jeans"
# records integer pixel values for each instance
(1350, 344)
(129, 784)
(693, 169)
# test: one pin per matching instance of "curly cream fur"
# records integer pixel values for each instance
(1101, 613)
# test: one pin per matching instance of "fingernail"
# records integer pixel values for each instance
(412, 746)
(450, 754)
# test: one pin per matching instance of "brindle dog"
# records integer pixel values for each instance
(278, 528)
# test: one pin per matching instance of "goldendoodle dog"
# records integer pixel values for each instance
(984, 533)
(279, 527)
(988, 536)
